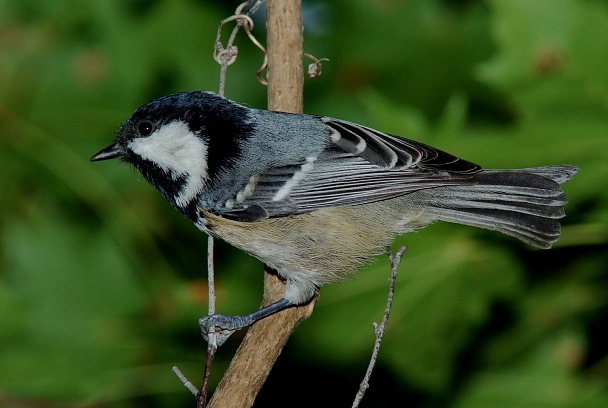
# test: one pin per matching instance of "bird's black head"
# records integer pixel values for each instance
(169, 141)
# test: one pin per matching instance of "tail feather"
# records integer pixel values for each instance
(526, 203)
(559, 174)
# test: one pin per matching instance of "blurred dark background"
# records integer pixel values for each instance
(102, 282)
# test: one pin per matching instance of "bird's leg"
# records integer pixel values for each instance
(223, 325)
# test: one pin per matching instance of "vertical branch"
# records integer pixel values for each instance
(265, 339)
(285, 76)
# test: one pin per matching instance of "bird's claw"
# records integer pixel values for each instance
(221, 325)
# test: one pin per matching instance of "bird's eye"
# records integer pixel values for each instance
(145, 128)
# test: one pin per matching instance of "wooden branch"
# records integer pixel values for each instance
(259, 350)
(285, 73)
(265, 339)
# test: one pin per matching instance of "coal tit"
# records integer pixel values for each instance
(316, 198)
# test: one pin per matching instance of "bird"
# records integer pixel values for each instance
(316, 198)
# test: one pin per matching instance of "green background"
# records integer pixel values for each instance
(102, 282)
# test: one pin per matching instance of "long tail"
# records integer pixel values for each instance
(526, 203)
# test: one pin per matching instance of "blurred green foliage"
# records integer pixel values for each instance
(101, 282)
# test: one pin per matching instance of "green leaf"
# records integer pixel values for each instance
(70, 321)
(542, 378)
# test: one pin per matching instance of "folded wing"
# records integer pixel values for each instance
(359, 165)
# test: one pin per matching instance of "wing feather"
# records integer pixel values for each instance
(359, 165)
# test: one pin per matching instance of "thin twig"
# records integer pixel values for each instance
(265, 339)
(380, 328)
(201, 395)
(211, 283)
(191, 387)
(227, 55)
(316, 68)
(224, 56)
(252, 9)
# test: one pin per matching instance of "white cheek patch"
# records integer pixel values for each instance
(177, 150)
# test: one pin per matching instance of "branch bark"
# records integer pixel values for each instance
(264, 341)
(285, 44)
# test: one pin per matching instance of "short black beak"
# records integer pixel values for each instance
(110, 152)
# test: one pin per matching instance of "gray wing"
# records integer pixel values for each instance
(359, 165)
